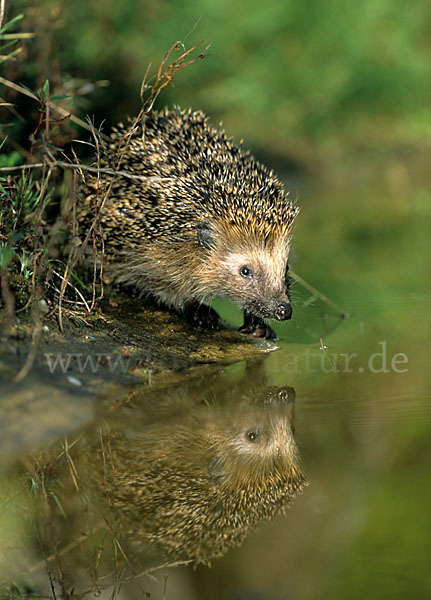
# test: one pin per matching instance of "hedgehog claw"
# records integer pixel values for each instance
(201, 316)
(257, 327)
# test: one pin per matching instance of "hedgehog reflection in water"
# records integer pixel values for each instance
(209, 221)
(192, 488)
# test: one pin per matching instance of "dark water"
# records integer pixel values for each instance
(345, 402)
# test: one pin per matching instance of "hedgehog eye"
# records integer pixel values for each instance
(252, 435)
(246, 272)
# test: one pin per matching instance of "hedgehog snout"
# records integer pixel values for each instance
(283, 312)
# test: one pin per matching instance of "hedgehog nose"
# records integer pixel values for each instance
(283, 312)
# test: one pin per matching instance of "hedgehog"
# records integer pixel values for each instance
(190, 216)
(192, 487)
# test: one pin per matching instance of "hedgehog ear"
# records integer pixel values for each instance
(205, 235)
(215, 470)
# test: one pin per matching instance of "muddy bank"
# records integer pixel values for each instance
(127, 342)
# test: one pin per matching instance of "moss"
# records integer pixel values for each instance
(20, 287)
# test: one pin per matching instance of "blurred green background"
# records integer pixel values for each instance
(335, 96)
(306, 81)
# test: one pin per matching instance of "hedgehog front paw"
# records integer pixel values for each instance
(257, 327)
(201, 316)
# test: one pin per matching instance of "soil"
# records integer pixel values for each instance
(127, 342)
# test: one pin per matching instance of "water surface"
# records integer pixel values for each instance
(354, 414)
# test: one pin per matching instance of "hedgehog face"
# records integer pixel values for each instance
(257, 280)
(259, 446)
(266, 437)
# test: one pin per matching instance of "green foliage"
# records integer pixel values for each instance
(20, 198)
(10, 24)
(10, 160)
(6, 253)
(280, 70)
(23, 238)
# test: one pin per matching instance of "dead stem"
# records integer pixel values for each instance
(79, 167)
(2, 6)
(84, 302)
(151, 570)
(102, 446)
(26, 166)
(165, 74)
(71, 464)
(63, 551)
